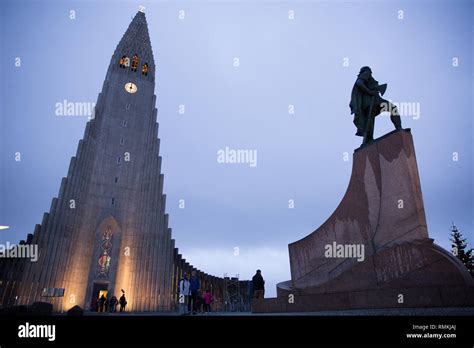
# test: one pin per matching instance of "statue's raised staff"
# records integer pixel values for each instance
(366, 103)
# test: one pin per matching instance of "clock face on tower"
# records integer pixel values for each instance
(130, 87)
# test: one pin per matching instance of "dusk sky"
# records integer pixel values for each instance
(306, 59)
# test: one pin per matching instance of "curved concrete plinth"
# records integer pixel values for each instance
(381, 214)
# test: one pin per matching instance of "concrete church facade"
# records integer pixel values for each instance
(107, 230)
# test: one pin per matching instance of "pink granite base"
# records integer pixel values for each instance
(383, 211)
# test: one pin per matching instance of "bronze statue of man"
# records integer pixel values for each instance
(366, 103)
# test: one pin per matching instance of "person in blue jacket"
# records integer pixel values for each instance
(194, 286)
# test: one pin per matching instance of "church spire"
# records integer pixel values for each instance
(134, 50)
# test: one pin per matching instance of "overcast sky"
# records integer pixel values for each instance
(422, 49)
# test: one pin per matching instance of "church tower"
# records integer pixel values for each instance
(107, 230)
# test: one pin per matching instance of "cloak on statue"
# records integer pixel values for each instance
(365, 92)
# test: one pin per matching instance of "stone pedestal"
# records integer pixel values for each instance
(382, 212)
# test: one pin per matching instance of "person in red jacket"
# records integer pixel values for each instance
(207, 301)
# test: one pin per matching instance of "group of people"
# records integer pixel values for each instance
(191, 300)
(103, 304)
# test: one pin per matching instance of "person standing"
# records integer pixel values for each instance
(102, 300)
(194, 286)
(113, 304)
(258, 285)
(122, 302)
(207, 301)
(184, 294)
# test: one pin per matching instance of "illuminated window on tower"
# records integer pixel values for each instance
(124, 62)
(145, 69)
(105, 250)
(134, 62)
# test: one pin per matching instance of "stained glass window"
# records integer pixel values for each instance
(105, 250)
